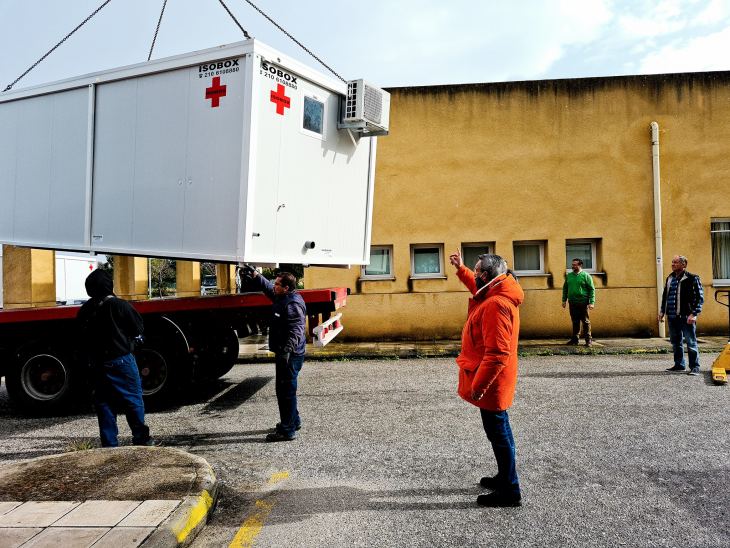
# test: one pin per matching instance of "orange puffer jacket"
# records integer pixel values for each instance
(488, 358)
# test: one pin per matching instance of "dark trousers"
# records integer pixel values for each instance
(287, 372)
(499, 433)
(579, 316)
(679, 331)
(118, 389)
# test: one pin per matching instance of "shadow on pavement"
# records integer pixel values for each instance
(236, 396)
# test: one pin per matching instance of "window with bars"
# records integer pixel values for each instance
(720, 237)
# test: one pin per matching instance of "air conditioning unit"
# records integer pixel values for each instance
(366, 109)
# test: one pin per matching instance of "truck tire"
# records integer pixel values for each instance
(43, 380)
(220, 353)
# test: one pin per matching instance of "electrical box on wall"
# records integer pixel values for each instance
(231, 154)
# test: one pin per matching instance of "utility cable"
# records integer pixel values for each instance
(159, 21)
(34, 65)
(248, 37)
(254, 6)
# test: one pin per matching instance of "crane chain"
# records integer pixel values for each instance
(254, 6)
(159, 21)
(246, 34)
(34, 65)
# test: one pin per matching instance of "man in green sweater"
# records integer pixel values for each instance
(580, 294)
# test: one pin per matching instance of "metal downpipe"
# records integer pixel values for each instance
(657, 221)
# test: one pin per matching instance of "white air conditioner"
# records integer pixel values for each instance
(366, 109)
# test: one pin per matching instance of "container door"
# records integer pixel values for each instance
(139, 164)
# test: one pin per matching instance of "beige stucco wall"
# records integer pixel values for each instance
(550, 161)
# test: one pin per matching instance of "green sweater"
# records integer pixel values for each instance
(578, 288)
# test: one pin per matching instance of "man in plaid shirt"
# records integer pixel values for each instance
(682, 301)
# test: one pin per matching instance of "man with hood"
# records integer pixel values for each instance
(287, 340)
(110, 326)
(488, 365)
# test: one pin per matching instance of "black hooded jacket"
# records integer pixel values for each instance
(109, 324)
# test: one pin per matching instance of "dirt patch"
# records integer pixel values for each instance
(127, 473)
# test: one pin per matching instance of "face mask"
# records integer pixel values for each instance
(480, 283)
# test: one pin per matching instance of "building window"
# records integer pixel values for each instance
(529, 257)
(720, 232)
(586, 250)
(427, 261)
(313, 117)
(470, 252)
(380, 266)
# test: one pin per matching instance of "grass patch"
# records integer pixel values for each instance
(80, 445)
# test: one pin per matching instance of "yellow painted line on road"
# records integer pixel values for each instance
(198, 513)
(279, 476)
(246, 535)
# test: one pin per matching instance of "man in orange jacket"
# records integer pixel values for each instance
(488, 365)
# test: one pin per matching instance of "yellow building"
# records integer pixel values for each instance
(540, 172)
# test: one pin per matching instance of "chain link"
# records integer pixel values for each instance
(154, 38)
(254, 6)
(34, 65)
(248, 37)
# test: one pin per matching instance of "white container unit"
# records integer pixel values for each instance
(231, 154)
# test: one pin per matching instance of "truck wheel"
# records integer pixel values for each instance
(220, 354)
(153, 371)
(42, 381)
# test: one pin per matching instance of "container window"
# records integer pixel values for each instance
(313, 116)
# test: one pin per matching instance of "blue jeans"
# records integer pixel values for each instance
(118, 389)
(679, 329)
(499, 433)
(287, 372)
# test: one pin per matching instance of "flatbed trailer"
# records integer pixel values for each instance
(187, 341)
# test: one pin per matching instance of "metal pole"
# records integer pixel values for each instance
(657, 221)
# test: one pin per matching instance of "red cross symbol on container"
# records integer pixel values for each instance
(215, 92)
(280, 99)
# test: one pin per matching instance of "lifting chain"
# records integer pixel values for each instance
(254, 6)
(154, 38)
(34, 65)
(248, 37)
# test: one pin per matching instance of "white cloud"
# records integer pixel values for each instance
(716, 10)
(698, 54)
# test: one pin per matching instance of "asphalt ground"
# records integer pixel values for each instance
(612, 451)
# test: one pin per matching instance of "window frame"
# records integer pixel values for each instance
(541, 244)
(431, 275)
(313, 96)
(594, 253)
(389, 276)
(488, 245)
(720, 282)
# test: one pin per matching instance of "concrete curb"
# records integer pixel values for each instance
(184, 524)
(452, 350)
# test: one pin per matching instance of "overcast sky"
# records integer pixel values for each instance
(389, 42)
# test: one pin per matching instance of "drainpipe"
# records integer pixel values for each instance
(657, 220)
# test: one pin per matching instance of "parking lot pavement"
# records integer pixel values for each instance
(612, 451)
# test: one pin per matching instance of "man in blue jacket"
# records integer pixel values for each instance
(682, 301)
(287, 339)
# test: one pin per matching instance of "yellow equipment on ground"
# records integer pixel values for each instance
(722, 364)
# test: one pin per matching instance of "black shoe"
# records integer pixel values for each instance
(150, 443)
(589, 342)
(277, 428)
(490, 482)
(499, 500)
(572, 342)
(676, 369)
(695, 371)
(278, 436)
